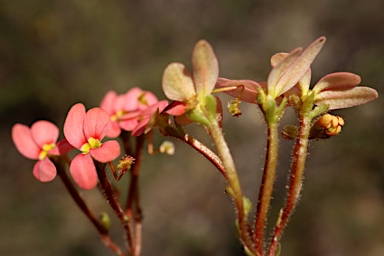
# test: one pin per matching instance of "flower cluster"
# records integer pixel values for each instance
(130, 116)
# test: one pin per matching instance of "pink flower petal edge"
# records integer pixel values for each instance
(83, 171)
(22, 137)
(44, 170)
(73, 126)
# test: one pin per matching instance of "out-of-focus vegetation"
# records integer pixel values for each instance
(57, 53)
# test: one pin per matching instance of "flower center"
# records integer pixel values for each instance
(46, 148)
(117, 115)
(92, 143)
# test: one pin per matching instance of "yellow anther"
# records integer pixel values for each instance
(92, 143)
(46, 147)
(141, 98)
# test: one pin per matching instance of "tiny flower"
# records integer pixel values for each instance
(125, 164)
(85, 131)
(120, 108)
(287, 70)
(190, 92)
(38, 142)
(167, 147)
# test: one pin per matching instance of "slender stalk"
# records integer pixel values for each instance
(266, 187)
(295, 182)
(113, 201)
(135, 212)
(233, 181)
(83, 207)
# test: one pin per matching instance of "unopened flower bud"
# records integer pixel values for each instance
(233, 107)
(331, 124)
(105, 221)
(167, 147)
(290, 132)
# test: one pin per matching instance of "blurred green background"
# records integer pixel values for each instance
(57, 53)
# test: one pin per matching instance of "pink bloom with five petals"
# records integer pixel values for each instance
(85, 130)
(38, 142)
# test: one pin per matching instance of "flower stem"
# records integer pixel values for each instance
(113, 201)
(295, 182)
(84, 208)
(266, 187)
(233, 181)
(135, 212)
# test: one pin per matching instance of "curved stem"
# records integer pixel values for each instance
(233, 181)
(266, 187)
(295, 182)
(83, 207)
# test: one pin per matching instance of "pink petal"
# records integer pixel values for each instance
(73, 126)
(177, 83)
(346, 98)
(108, 151)
(97, 123)
(83, 171)
(129, 125)
(131, 99)
(175, 108)
(114, 131)
(152, 109)
(120, 103)
(108, 102)
(297, 70)
(278, 71)
(205, 68)
(277, 58)
(44, 170)
(337, 81)
(248, 88)
(22, 137)
(140, 127)
(44, 132)
(150, 99)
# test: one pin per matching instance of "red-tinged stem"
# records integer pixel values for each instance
(266, 187)
(132, 207)
(83, 207)
(295, 182)
(113, 201)
(234, 183)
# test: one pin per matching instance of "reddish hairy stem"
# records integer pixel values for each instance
(133, 208)
(113, 201)
(83, 207)
(266, 187)
(295, 182)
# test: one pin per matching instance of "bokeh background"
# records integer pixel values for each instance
(57, 53)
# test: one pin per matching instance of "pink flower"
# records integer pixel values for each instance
(189, 91)
(120, 108)
(38, 142)
(85, 130)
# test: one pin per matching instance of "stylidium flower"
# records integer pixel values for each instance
(85, 131)
(38, 142)
(287, 71)
(120, 108)
(190, 92)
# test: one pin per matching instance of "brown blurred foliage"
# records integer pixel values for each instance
(57, 53)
